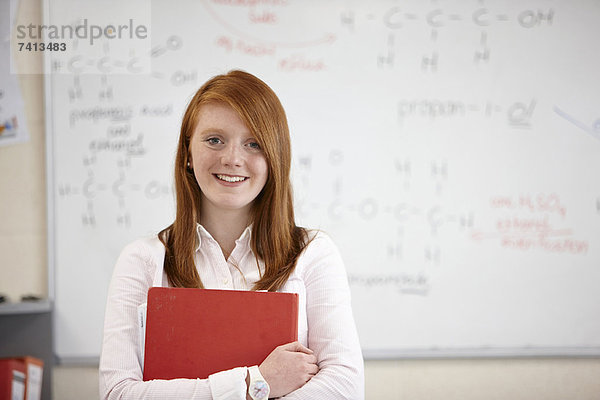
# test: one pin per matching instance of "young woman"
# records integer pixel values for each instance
(234, 229)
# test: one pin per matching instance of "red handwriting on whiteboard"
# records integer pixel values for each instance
(298, 62)
(550, 203)
(241, 46)
(528, 222)
(265, 17)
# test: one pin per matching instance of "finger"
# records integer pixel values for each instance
(289, 346)
(297, 346)
(310, 359)
(312, 369)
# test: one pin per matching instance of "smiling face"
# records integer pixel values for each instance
(229, 165)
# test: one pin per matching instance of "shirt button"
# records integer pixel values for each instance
(225, 281)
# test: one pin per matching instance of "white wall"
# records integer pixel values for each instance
(23, 197)
(23, 271)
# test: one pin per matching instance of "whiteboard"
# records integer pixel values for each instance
(450, 148)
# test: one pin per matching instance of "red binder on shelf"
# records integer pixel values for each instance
(192, 333)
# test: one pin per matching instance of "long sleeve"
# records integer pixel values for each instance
(332, 333)
(120, 361)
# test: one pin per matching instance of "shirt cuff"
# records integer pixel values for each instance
(229, 385)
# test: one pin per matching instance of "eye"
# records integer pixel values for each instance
(254, 145)
(213, 141)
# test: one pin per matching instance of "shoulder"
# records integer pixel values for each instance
(319, 242)
(147, 247)
(148, 250)
(136, 267)
(320, 252)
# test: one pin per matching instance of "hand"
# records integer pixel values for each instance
(288, 368)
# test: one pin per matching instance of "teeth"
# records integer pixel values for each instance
(230, 178)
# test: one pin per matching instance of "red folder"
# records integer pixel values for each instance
(12, 378)
(192, 333)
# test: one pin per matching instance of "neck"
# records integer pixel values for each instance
(225, 226)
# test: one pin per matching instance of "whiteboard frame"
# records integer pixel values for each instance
(50, 215)
(483, 353)
(368, 354)
(49, 124)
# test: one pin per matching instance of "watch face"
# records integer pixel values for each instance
(260, 390)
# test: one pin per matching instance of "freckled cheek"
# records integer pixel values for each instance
(198, 178)
(261, 168)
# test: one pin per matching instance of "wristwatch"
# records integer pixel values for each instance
(258, 389)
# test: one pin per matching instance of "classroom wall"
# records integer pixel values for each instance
(496, 379)
(23, 197)
(23, 271)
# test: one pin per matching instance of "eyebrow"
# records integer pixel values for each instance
(210, 131)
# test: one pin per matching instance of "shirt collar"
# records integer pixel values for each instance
(203, 234)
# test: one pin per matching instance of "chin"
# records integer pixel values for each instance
(233, 205)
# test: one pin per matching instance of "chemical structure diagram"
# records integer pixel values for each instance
(394, 211)
(114, 155)
(113, 145)
(82, 64)
(434, 21)
(98, 193)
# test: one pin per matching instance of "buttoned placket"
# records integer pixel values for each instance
(235, 263)
(225, 271)
(211, 252)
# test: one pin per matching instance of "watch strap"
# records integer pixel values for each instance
(258, 388)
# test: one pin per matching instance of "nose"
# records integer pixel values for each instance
(232, 155)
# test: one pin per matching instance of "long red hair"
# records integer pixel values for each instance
(276, 239)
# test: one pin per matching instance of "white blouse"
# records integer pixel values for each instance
(325, 321)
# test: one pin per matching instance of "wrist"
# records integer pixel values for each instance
(258, 388)
(247, 384)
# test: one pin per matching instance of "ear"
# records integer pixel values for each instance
(189, 160)
(188, 150)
